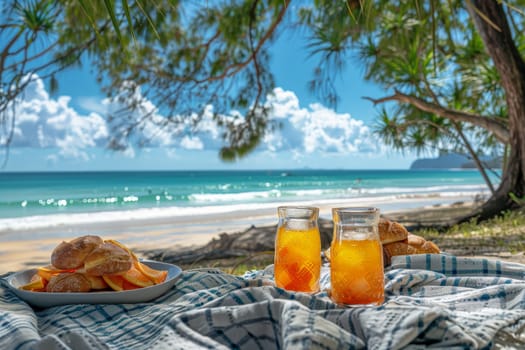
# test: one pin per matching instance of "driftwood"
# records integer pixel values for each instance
(232, 245)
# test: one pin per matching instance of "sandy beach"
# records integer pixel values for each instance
(21, 250)
(33, 249)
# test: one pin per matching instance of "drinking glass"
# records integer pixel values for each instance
(297, 262)
(356, 257)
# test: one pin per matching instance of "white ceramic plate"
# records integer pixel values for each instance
(141, 295)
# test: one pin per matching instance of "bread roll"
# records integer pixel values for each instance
(96, 282)
(397, 248)
(68, 283)
(421, 245)
(71, 255)
(107, 259)
(412, 245)
(390, 231)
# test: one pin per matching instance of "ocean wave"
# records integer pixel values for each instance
(228, 197)
(327, 193)
(225, 196)
(171, 214)
(429, 189)
(164, 199)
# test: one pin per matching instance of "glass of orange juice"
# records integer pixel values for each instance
(356, 257)
(297, 263)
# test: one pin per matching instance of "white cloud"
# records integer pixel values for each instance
(44, 122)
(186, 135)
(303, 130)
(315, 129)
(92, 104)
(189, 142)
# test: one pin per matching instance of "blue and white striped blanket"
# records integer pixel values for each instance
(434, 301)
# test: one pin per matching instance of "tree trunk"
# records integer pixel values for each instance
(495, 33)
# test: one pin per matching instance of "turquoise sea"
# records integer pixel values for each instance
(44, 197)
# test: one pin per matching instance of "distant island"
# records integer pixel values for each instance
(453, 161)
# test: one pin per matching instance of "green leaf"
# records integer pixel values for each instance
(88, 15)
(53, 84)
(148, 17)
(111, 12)
(128, 17)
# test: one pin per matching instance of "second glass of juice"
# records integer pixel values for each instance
(356, 257)
(297, 263)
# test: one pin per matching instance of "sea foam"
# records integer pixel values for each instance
(171, 214)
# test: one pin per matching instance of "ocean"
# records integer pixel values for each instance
(47, 199)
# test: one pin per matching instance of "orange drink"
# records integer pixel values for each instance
(356, 257)
(297, 263)
(357, 272)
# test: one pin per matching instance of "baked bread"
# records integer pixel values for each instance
(89, 263)
(414, 244)
(107, 259)
(397, 248)
(421, 245)
(391, 231)
(96, 282)
(71, 255)
(68, 283)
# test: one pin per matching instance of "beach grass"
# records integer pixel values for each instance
(502, 236)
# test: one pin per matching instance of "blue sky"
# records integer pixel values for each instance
(67, 130)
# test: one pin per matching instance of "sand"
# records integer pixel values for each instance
(21, 250)
(18, 254)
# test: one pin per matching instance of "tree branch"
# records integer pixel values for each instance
(254, 56)
(235, 68)
(496, 126)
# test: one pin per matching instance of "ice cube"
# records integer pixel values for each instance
(297, 225)
(360, 286)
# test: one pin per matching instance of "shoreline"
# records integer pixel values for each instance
(21, 250)
(142, 218)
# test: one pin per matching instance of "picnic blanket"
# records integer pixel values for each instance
(432, 301)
